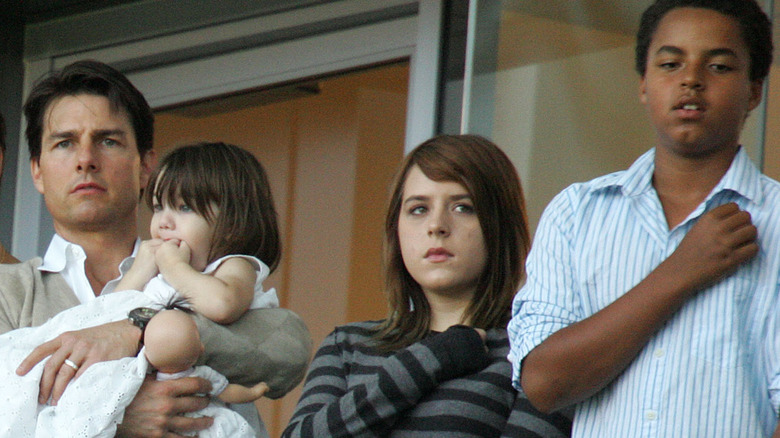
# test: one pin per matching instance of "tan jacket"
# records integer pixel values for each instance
(265, 345)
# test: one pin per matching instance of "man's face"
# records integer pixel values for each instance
(89, 172)
(697, 86)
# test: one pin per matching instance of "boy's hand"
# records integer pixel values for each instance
(716, 246)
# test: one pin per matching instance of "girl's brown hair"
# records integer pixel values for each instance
(231, 179)
(491, 180)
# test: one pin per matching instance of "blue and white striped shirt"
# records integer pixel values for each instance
(713, 370)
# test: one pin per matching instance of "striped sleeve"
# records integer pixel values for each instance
(527, 422)
(548, 300)
(329, 406)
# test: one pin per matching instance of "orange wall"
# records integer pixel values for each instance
(329, 158)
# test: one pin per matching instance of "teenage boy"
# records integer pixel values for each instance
(651, 300)
(90, 134)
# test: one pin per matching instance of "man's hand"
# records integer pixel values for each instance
(81, 349)
(716, 245)
(156, 411)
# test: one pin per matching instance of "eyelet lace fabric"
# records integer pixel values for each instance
(93, 404)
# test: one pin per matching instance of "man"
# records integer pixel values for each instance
(652, 293)
(5, 256)
(90, 137)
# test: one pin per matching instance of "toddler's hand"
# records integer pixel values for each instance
(145, 265)
(171, 252)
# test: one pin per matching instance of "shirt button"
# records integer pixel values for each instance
(659, 352)
(651, 415)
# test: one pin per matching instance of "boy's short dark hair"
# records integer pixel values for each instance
(753, 22)
(94, 78)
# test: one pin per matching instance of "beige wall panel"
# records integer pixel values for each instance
(381, 117)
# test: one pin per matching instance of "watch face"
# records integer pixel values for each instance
(142, 314)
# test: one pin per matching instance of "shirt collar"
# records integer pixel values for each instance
(742, 177)
(59, 250)
(123, 267)
(56, 256)
(635, 180)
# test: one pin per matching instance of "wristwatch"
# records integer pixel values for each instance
(140, 316)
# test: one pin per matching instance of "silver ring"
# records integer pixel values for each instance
(71, 364)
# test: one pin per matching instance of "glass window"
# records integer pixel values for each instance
(553, 83)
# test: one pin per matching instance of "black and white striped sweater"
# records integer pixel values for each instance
(447, 385)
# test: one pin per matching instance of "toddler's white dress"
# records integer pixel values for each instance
(94, 404)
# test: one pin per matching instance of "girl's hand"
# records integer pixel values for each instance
(144, 264)
(144, 267)
(172, 252)
(483, 335)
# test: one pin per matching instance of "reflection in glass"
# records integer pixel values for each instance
(561, 93)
